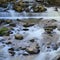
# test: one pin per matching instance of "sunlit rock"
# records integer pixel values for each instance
(18, 37)
(39, 8)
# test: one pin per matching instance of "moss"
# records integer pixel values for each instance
(3, 31)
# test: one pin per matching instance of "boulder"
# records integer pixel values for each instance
(58, 58)
(54, 2)
(4, 31)
(28, 24)
(12, 24)
(39, 8)
(18, 37)
(19, 6)
(33, 48)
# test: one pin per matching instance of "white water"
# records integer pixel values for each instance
(49, 13)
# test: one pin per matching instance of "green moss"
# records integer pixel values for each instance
(3, 31)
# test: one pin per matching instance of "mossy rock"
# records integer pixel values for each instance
(39, 8)
(8, 21)
(19, 6)
(3, 31)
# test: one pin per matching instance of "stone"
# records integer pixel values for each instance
(19, 6)
(8, 43)
(28, 25)
(32, 40)
(58, 58)
(33, 48)
(12, 53)
(12, 24)
(54, 2)
(49, 29)
(8, 21)
(18, 37)
(25, 29)
(11, 49)
(39, 8)
(4, 31)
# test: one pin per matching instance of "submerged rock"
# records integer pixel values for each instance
(18, 37)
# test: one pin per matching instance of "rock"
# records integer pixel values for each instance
(33, 48)
(8, 21)
(22, 48)
(12, 53)
(1, 21)
(8, 43)
(54, 2)
(12, 24)
(18, 37)
(39, 8)
(32, 40)
(58, 58)
(19, 6)
(4, 3)
(27, 9)
(28, 24)
(49, 29)
(25, 29)
(4, 31)
(11, 49)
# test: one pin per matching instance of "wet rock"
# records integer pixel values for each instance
(32, 51)
(32, 40)
(54, 2)
(27, 9)
(22, 47)
(18, 37)
(33, 48)
(8, 21)
(11, 49)
(3, 31)
(25, 29)
(1, 21)
(28, 25)
(12, 24)
(8, 43)
(10, 32)
(12, 53)
(49, 29)
(4, 3)
(58, 58)
(39, 8)
(19, 6)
